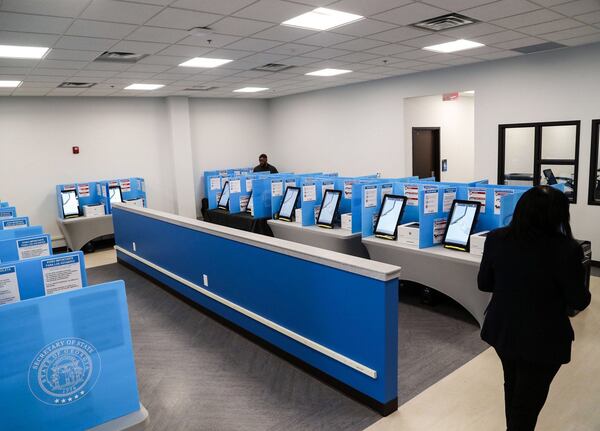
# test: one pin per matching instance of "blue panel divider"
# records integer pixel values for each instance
(26, 247)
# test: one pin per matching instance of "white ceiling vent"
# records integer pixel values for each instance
(120, 57)
(272, 67)
(445, 22)
(68, 84)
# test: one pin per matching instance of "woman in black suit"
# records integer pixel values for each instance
(533, 267)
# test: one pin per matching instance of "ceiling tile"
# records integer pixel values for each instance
(589, 18)
(361, 44)
(473, 30)
(185, 51)
(500, 9)
(118, 11)
(43, 78)
(61, 64)
(30, 39)
(457, 5)
(364, 27)
(250, 44)
(95, 73)
(138, 47)
(415, 55)
(578, 7)
(84, 43)
(241, 27)
(103, 65)
(499, 55)
(585, 30)
(581, 40)
(399, 34)
(55, 72)
(33, 23)
(552, 26)
(367, 8)
(325, 38)
(223, 7)
(410, 14)
(530, 18)
(82, 27)
(390, 49)
(519, 43)
(157, 34)
(326, 53)
(262, 59)
(30, 92)
(71, 54)
(216, 40)
(356, 57)
(64, 8)
(504, 36)
(431, 39)
(275, 11)
(136, 75)
(230, 54)
(183, 19)
(284, 34)
(18, 62)
(548, 3)
(300, 61)
(156, 68)
(292, 49)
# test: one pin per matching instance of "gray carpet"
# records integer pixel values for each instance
(195, 374)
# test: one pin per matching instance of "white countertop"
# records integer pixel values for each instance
(337, 231)
(368, 268)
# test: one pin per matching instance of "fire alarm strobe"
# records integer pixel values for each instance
(75, 150)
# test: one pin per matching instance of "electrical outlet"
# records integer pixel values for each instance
(205, 279)
(134, 247)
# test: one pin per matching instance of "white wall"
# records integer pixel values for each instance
(455, 118)
(227, 133)
(117, 137)
(359, 128)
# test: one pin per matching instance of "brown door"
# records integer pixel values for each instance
(426, 152)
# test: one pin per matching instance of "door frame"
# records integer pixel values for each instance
(436, 149)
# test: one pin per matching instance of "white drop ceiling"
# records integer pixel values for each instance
(249, 32)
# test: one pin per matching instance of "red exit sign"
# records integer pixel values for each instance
(449, 96)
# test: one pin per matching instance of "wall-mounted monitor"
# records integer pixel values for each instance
(389, 217)
(70, 203)
(461, 222)
(329, 206)
(224, 198)
(288, 204)
(114, 194)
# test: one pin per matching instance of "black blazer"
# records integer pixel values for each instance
(532, 284)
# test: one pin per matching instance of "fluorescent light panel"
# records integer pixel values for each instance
(144, 87)
(250, 90)
(322, 19)
(10, 84)
(33, 52)
(205, 62)
(328, 72)
(457, 45)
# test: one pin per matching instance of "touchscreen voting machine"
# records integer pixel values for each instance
(389, 217)
(459, 227)
(329, 206)
(288, 204)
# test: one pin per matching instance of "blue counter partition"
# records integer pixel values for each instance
(20, 233)
(25, 247)
(67, 360)
(335, 314)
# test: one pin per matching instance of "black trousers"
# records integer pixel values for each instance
(526, 386)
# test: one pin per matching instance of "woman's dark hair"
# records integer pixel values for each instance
(541, 211)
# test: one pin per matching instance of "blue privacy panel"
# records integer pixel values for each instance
(67, 360)
(14, 223)
(4, 204)
(351, 314)
(30, 272)
(25, 247)
(7, 212)
(21, 232)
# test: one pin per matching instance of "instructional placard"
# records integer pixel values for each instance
(248, 186)
(449, 197)
(309, 193)
(244, 203)
(9, 285)
(215, 183)
(348, 189)
(431, 198)
(4, 214)
(326, 186)
(125, 185)
(478, 195)
(439, 226)
(370, 196)
(277, 188)
(498, 195)
(83, 190)
(14, 223)
(33, 247)
(235, 186)
(61, 274)
(412, 195)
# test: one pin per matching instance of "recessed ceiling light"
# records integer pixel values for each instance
(322, 19)
(144, 87)
(205, 62)
(328, 72)
(10, 84)
(11, 51)
(250, 90)
(457, 45)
